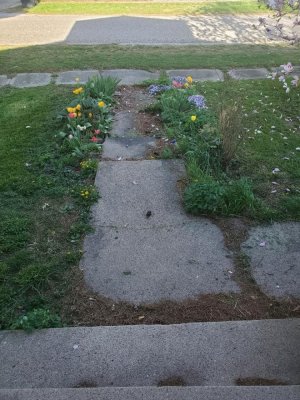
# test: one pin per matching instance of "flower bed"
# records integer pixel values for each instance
(214, 142)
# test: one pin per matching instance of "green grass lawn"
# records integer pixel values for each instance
(147, 8)
(54, 58)
(270, 119)
(40, 223)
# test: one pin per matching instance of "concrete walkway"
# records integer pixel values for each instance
(30, 29)
(145, 248)
(129, 77)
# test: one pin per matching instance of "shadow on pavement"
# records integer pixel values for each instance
(131, 30)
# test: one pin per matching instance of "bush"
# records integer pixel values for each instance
(101, 87)
(233, 198)
(204, 198)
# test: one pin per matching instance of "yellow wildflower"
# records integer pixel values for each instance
(193, 118)
(186, 85)
(79, 114)
(78, 90)
(189, 79)
(71, 109)
(78, 107)
(101, 104)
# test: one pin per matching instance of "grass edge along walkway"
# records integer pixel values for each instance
(61, 57)
(149, 8)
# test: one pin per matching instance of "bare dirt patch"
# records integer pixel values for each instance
(135, 100)
(82, 307)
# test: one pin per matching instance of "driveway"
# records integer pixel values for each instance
(7, 4)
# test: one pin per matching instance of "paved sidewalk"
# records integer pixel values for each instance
(7, 4)
(129, 76)
(30, 29)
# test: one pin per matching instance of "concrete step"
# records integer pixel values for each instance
(200, 354)
(153, 393)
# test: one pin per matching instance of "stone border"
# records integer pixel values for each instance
(131, 76)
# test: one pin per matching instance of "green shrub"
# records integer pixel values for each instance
(204, 198)
(233, 198)
(101, 87)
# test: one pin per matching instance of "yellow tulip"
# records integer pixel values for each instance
(70, 109)
(78, 90)
(78, 107)
(193, 118)
(189, 79)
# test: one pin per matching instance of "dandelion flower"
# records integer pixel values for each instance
(101, 104)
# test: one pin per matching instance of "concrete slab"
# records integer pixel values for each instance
(131, 188)
(124, 124)
(127, 148)
(150, 265)
(248, 73)
(31, 80)
(4, 80)
(274, 253)
(130, 76)
(198, 74)
(202, 354)
(155, 393)
(69, 77)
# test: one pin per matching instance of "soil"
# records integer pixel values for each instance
(82, 307)
(137, 100)
(172, 381)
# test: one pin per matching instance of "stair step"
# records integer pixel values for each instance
(147, 393)
(200, 354)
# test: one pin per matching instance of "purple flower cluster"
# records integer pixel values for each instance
(155, 89)
(198, 100)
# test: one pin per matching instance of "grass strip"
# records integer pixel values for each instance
(148, 8)
(55, 58)
(46, 189)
